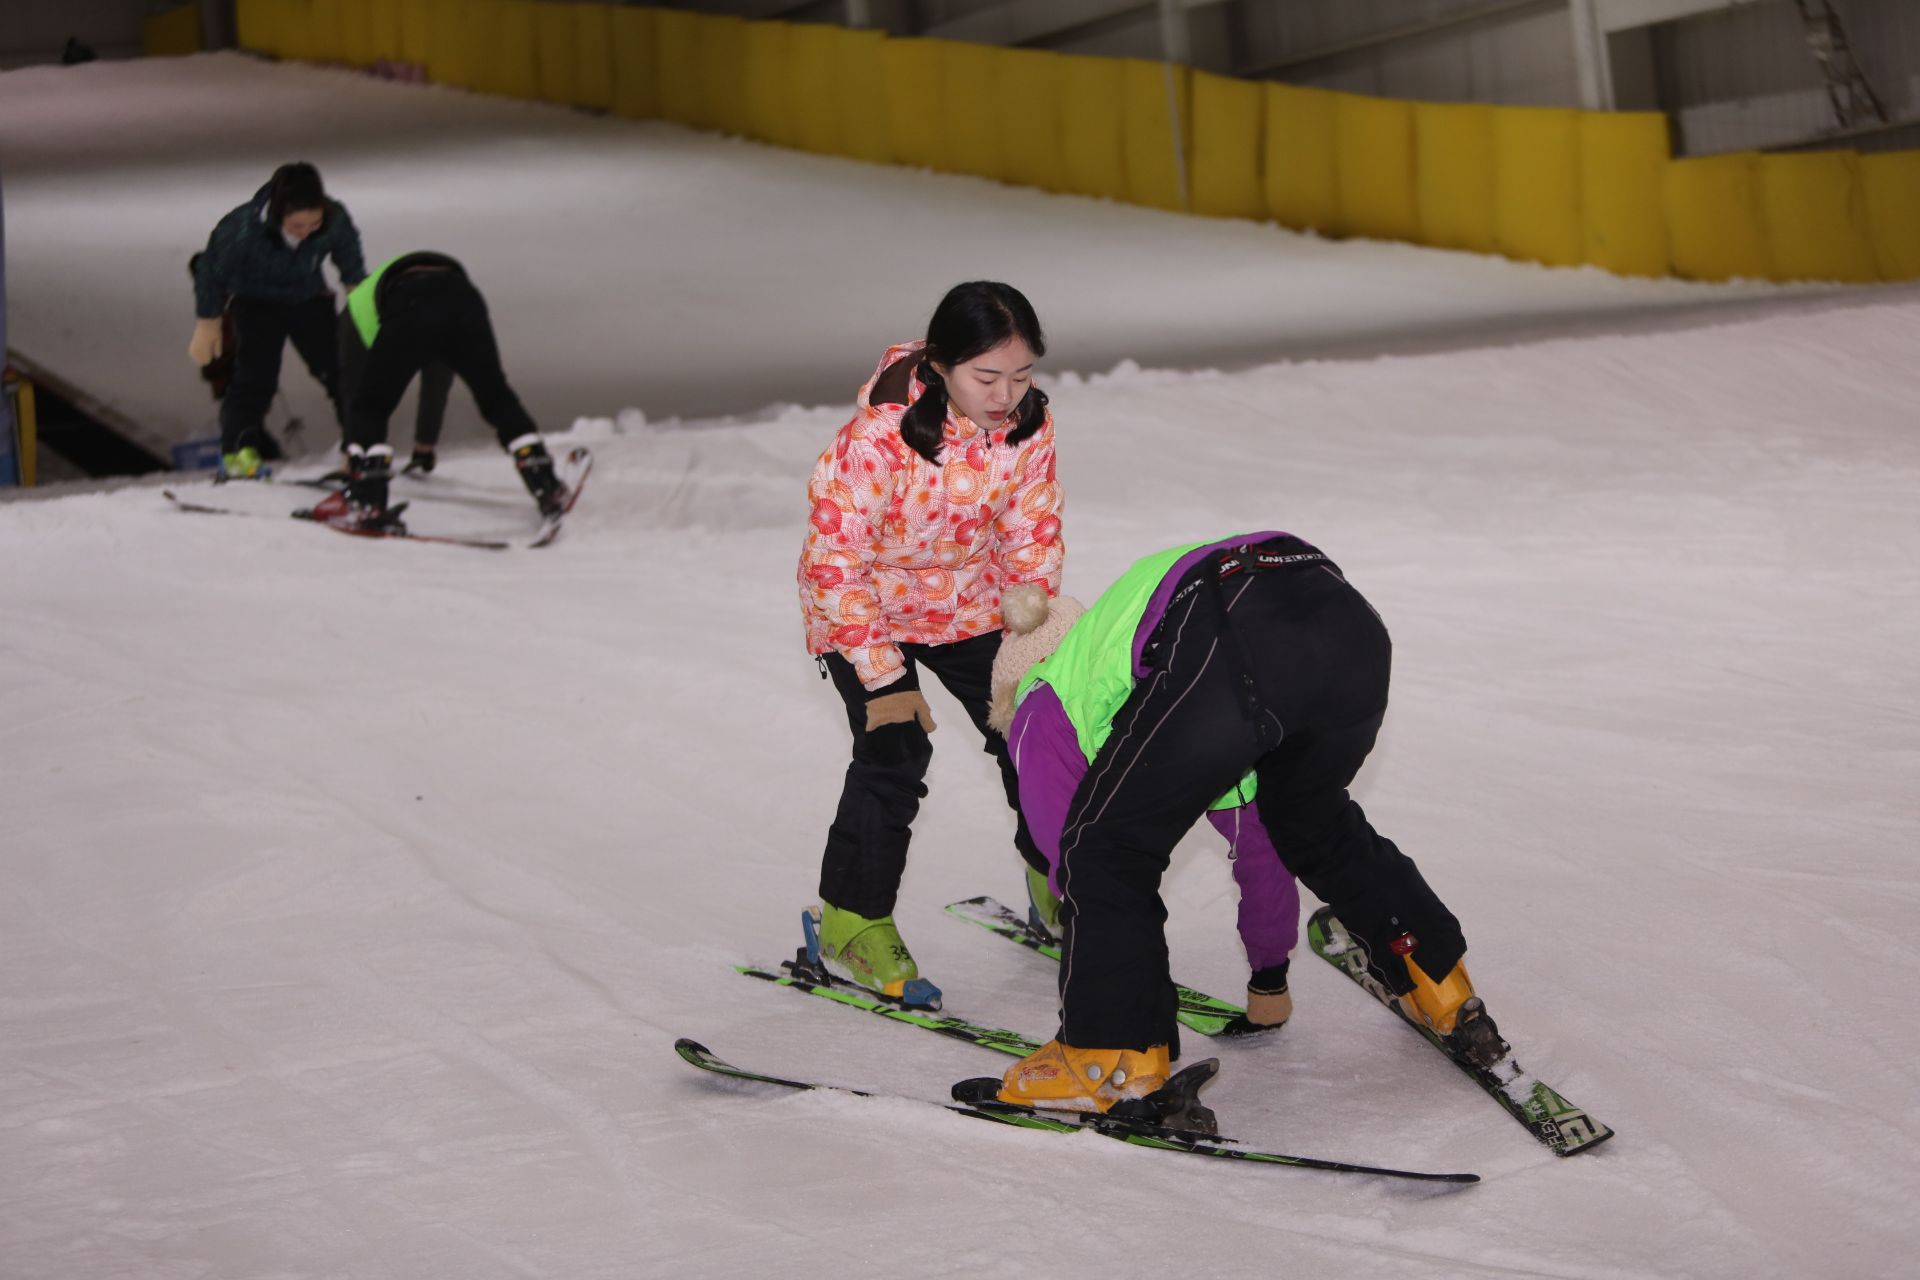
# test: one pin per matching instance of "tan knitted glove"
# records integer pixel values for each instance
(898, 708)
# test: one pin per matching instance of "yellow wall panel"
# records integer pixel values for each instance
(769, 83)
(1299, 175)
(356, 32)
(326, 31)
(1623, 156)
(1453, 176)
(296, 29)
(383, 29)
(1229, 145)
(1536, 185)
(256, 25)
(861, 96)
(1373, 167)
(593, 56)
(555, 51)
(1816, 217)
(516, 49)
(970, 109)
(448, 51)
(676, 66)
(1156, 122)
(723, 70)
(1890, 183)
(1029, 103)
(1715, 228)
(813, 64)
(636, 74)
(416, 31)
(911, 74)
(172, 34)
(1092, 129)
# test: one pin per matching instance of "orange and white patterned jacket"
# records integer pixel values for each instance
(899, 550)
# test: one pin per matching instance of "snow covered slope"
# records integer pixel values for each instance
(353, 893)
(642, 264)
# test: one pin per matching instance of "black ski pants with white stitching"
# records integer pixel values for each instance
(1283, 671)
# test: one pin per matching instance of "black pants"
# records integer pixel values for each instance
(261, 332)
(429, 318)
(1283, 671)
(867, 844)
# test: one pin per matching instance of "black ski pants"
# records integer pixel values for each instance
(1284, 671)
(429, 318)
(866, 851)
(261, 331)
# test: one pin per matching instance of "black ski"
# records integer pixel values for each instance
(1134, 1133)
(1559, 1125)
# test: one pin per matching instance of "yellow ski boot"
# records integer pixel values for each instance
(1059, 1077)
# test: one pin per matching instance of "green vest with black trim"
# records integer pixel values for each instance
(1092, 670)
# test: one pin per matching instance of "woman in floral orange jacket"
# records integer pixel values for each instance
(938, 496)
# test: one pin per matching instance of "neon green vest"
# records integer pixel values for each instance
(360, 304)
(1092, 670)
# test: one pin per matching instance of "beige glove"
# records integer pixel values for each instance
(898, 708)
(206, 345)
(1268, 1008)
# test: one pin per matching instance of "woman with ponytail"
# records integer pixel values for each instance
(935, 498)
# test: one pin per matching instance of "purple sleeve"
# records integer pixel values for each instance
(1269, 895)
(1046, 754)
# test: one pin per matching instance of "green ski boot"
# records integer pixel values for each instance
(868, 953)
(1043, 909)
(241, 464)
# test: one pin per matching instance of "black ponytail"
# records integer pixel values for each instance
(972, 319)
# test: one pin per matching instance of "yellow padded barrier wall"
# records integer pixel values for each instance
(813, 63)
(635, 63)
(593, 56)
(676, 65)
(1536, 185)
(1298, 172)
(1092, 136)
(769, 96)
(1453, 176)
(328, 40)
(172, 34)
(256, 25)
(383, 29)
(723, 66)
(416, 31)
(860, 95)
(1155, 109)
(356, 32)
(555, 53)
(910, 72)
(516, 49)
(1890, 183)
(1815, 217)
(970, 109)
(1228, 132)
(449, 55)
(1623, 156)
(1373, 167)
(1029, 105)
(296, 30)
(1714, 224)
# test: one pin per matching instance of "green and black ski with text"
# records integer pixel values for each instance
(1562, 1127)
(1133, 1132)
(1206, 1014)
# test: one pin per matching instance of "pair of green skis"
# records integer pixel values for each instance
(1556, 1123)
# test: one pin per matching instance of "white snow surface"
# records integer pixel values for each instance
(352, 893)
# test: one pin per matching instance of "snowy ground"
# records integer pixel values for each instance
(352, 894)
(643, 264)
